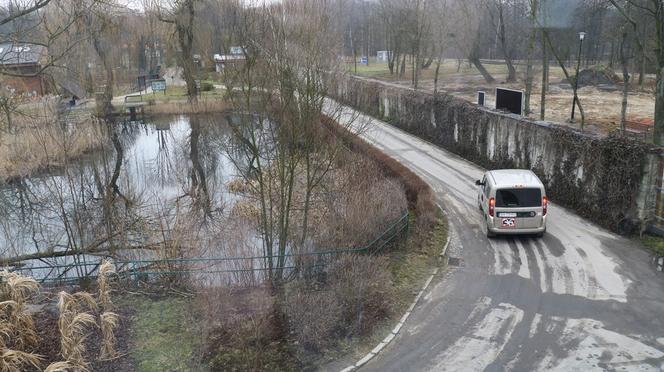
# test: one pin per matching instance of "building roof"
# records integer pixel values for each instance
(515, 178)
(21, 54)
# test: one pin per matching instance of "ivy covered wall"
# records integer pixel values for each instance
(601, 178)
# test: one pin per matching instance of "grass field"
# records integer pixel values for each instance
(164, 334)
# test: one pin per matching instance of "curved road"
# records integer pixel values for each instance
(579, 299)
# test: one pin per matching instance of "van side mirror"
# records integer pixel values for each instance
(478, 183)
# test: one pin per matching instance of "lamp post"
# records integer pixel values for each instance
(582, 35)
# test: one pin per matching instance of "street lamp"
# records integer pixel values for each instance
(582, 35)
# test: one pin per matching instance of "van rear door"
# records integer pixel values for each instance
(518, 208)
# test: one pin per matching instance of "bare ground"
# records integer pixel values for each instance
(602, 107)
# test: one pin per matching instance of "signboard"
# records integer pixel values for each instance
(237, 50)
(509, 100)
(159, 85)
(364, 60)
(480, 98)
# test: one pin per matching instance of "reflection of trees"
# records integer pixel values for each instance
(80, 210)
(109, 191)
(199, 188)
(163, 162)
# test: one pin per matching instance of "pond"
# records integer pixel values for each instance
(156, 186)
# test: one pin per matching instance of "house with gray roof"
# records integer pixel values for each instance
(21, 66)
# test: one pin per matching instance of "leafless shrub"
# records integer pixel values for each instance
(237, 186)
(313, 315)
(363, 286)
(419, 194)
(246, 210)
(359, 205)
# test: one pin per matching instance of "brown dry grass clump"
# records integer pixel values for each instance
(41, 140)
(17, 328)
(75, 323)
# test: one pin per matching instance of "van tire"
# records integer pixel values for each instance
(540, 235)
(490, 234)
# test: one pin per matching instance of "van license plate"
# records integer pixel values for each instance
(509, 222)
(507, 214)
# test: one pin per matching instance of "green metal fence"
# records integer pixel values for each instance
(215, 269)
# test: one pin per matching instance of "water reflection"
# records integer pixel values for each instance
(156, 190)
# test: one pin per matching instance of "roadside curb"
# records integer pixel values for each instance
(395, 331)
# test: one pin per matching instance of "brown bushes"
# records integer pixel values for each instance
(419, 194)
(357, 294)
(245, 330)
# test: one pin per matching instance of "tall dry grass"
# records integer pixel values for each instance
(42, 139)
(75, 323)
(16, 320)
(104, 290)
(108, 320)
(17, 328)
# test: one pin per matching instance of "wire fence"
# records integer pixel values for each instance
(206, 270)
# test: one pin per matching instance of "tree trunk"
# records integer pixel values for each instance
(435, 77)
(561, 63)
(480, 67)
(545, 78)
(184, 25)
(659, 106)
(529, 68)
(511, 71)
(625, 72)
(474, 58)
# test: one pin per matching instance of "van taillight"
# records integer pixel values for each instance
(545, 205)
(492, 206)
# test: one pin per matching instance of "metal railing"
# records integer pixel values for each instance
(214, 269)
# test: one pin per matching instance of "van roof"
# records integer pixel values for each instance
(514, 177)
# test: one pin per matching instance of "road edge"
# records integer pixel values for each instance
(395, 331)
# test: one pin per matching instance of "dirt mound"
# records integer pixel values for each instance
(597, 76)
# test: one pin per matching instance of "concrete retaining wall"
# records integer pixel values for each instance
(608, 180)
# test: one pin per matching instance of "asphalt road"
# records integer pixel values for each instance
(579, 299)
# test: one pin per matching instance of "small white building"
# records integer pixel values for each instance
(221, 60)
(383, 55)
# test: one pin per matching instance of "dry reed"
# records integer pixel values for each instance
(43, 140)
(74, 324)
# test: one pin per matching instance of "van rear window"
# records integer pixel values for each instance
(518, 198)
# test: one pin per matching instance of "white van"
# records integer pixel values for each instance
(512, 201)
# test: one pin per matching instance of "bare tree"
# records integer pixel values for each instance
(654, 10)
(182, 15)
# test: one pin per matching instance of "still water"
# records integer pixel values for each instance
(154, 186)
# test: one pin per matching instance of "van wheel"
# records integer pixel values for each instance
(490, 234)
(541, 235)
